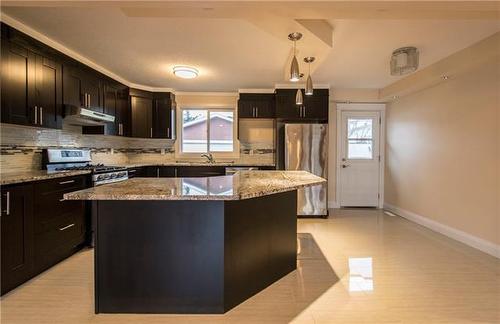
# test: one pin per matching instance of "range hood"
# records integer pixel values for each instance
(85, 117)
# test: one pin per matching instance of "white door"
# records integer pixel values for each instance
(359, 159)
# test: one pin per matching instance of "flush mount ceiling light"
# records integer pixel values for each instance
(294, 67)
(404, 60)
(185, 72)
(309, 83)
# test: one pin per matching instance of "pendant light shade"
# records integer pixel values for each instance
(294, 67)
(294, 70)
(309, 86)
(309, 82)
(299, 99)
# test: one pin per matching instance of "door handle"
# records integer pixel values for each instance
(344, 166)
(66, 182)
(66, 227)
(7, 203)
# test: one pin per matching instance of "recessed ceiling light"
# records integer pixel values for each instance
(185, 72)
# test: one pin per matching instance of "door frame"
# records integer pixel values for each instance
(360, 107)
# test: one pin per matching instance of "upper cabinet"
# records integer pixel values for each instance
(314, 108)
(82, 87)
(31, 87)
(256, 105)
(152, 114)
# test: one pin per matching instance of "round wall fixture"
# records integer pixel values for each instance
(185, 72)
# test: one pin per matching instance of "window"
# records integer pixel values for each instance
(207, 131)
(360, 138)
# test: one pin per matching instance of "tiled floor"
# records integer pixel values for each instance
(369, 268)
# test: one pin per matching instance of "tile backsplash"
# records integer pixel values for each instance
(21, 147)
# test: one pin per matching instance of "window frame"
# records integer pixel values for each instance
(197, 155)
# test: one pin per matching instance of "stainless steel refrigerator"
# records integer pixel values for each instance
(306, 148)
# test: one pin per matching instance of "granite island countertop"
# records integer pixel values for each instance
(7, 178)
(241, 185)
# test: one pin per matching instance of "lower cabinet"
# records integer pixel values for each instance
(39, 229)
(17, 236)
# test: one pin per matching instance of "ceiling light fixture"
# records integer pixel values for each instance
(309, 82)
(404, 60)
(185, 72)
(294, 67)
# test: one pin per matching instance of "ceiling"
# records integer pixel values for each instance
(244, 51)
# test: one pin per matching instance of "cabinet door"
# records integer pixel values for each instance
(265, 108)
(141, 117)
(110, 102)
(17, 235)
(285, 105)
(122, 116)
(316, 106)
(18, 106)
(92, 88)
(48, 84)
(162, 118)
(167, 172)
(245, 108)
(73, 86)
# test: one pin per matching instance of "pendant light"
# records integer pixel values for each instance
(299, 99)
(294, 67)
(309, 83)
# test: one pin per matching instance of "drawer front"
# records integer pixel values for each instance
(49, 204)
(59, 240)
(62, 185)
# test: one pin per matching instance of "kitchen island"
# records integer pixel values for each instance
(193, 245)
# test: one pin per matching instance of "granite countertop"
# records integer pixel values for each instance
(241, 185)
(7, 178)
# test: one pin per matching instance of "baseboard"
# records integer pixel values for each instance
(466, 238)
(333, 204)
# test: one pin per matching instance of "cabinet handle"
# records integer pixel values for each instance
(36, 115)
(66, 227)
(304, 109)
(256, 111)
(61, 200)
(151, 132)
(132, 171)
(7, 203)
(89, 99)
(85, 100)
(157, 172)
(66, 182)
(41, 115)
(168, 132)
(175, 172)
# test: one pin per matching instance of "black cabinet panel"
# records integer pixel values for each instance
(73, 90)
(256, 106)
(136, 172)
(17, 236)
(82, 87)
(314, 108)
(48, 84)
(152, 114)
(17, 81)
(141, 117)
(200, 171)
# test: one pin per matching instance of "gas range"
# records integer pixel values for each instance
(79, 159)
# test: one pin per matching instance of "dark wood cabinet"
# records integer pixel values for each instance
(152, 114)
(17, 106)
(31, 88)
(59, 225)
(164, 108)
(136, 172)
(114, 103)
(17, 236)
(253, 105)
(160, 171)
(39, 228)
(82, 87)
(141, 112)
(49, 94)
(314, 108)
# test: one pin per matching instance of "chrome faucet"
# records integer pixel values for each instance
(209, 156)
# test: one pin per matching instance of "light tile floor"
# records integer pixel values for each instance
(358, 266)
